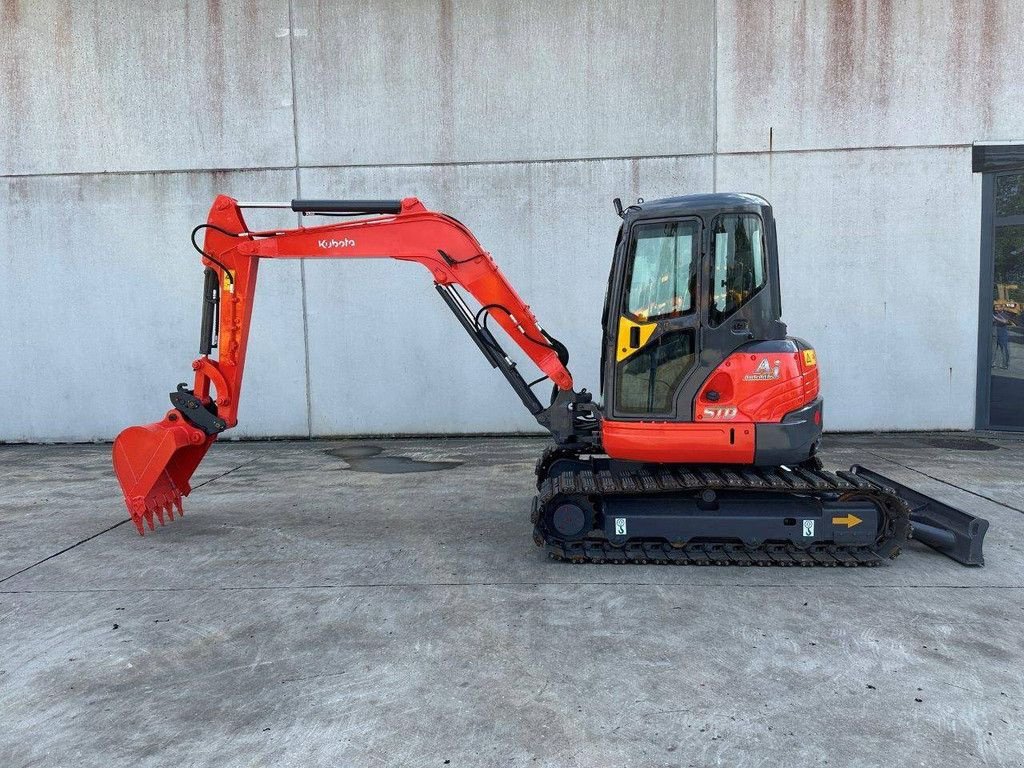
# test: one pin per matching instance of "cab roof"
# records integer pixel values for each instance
(710, 203)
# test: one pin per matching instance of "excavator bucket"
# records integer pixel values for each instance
(154, 464)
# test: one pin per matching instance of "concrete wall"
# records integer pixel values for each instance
(120, 121)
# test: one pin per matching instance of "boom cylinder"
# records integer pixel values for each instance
(490, 347)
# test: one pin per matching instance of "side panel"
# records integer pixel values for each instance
(760, 406)
(791, 441)
(760, 382)
(687, 443)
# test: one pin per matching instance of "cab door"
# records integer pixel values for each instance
(657, 320)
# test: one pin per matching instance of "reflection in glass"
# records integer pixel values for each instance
(663, 273)
(1007, 340)
(739, 270)
(647, 381)
(1010, 195)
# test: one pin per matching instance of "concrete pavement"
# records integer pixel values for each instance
(320, 604)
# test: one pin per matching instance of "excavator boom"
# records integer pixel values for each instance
(154, 463)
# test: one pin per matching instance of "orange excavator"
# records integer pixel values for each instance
(704, 447)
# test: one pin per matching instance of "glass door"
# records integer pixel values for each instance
(657, 344)
(1002, 315)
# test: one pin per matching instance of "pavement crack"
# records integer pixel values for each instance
(312, 677)
(108, 530)
(665, 712)
(66, 549)
(946, 482)
(225, 473)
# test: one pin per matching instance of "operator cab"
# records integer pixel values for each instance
(694, 282)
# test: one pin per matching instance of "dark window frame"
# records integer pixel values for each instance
(630, 261)
(665, 324)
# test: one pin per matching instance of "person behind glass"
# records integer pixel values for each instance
(1002, 339)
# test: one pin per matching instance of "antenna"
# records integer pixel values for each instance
(618, 206)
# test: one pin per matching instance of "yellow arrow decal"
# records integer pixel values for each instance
(849, 521)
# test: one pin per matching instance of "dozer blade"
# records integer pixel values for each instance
(957, 534)
(154, 464)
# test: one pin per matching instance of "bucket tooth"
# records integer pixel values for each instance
(160, 514)
(148, 514)
(177, 503)
(137, 520)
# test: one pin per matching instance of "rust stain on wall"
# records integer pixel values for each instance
(991, 30)
(215, 60)
(884, 23)
(63, 42)
(864, 52)
(841, 43)
(977, 41)
(11, 12)
(215, 30)
(446, 77)
(14, 90)
(250, 14)
(754, 49)
(798, 32)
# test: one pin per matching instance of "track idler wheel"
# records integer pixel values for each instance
(569, 519)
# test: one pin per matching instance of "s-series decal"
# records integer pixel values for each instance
(720, 412)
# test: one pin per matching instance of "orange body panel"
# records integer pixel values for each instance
(674, 443)
(752, 388)
(758, 387)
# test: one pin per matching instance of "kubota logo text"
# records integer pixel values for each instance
(348, 242)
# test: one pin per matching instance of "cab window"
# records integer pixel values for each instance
(662, 275)
(646, 383)
(739, 270)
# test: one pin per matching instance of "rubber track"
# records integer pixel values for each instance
(595, 485)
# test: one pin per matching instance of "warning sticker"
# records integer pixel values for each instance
(620, 526)
(808, 527)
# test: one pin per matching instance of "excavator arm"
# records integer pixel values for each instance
(154, 463)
